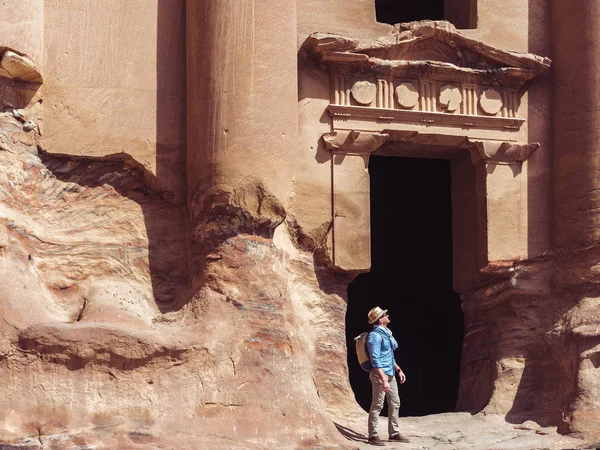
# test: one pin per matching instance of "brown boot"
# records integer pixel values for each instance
(399, 438)
(375, 440)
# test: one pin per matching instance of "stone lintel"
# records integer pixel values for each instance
(486, 151)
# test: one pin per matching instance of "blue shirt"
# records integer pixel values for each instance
(380, 350)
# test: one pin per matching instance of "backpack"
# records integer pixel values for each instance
(362, 352)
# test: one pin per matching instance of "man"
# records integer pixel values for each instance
(381, 345)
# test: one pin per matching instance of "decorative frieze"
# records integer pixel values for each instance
(340, 94)
(377, 119)
(469, 103)
(434, 96)
(509, 103)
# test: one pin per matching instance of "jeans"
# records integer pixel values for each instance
(378, 397)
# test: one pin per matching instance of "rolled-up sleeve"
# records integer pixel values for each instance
(374, 346)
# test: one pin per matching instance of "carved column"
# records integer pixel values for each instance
(576, 122)
(576, 201)
(242, 113)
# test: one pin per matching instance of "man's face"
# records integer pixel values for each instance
(384, 320)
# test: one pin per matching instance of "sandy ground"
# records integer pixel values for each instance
(463, 431)
(448, 431)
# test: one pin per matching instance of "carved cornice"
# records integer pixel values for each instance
(430, 48)
(481, 151)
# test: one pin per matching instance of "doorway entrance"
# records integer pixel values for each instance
(411, 275)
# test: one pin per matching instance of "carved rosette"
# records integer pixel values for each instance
(450, 97)
(491, 101)
(364, 92)
(407, 95)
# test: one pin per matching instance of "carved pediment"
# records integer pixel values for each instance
(425, 77)
(427, 48)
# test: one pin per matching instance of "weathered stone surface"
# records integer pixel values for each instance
(435, 432)
(111, 90)
(447, 50)
(464, 431)
(22, 28)
(118, 303)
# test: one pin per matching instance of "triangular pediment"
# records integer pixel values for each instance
(434, 43)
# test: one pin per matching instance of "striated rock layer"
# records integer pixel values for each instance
(112, 321)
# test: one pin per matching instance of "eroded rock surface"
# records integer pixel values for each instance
(111, 319)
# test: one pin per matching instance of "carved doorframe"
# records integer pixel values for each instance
(486, 194)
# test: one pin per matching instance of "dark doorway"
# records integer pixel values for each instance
(411, 275)
(397, 11)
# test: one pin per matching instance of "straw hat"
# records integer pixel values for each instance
(375, 314)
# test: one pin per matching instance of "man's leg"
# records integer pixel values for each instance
(393, 407)
(377, 399)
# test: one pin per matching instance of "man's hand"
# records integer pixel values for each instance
(386, 386)
(400, 373)
(402, 377)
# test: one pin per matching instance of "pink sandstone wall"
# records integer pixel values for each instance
(115, 83)
(512, 342)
